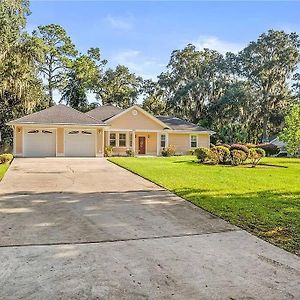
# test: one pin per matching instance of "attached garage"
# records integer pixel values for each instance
(80, 142)
(39, 142)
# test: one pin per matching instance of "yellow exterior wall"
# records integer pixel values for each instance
(60, 146)
(181, 141)
(130, 121)
(19, 139)
(204, 140)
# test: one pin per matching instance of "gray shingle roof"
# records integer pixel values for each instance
(58, 114)
(179, 124)
(104, 112)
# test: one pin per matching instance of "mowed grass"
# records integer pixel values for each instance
(3, 169)
(264, 200)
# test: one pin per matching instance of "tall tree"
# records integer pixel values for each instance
(291, 130)
(83, 76)
(193, 79)
(268, 64)
(21, 90)
(153, 100)
(119, 87)
(59, 50)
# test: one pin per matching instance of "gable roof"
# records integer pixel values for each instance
(179, 124)
(136, 107)
(58, 114)
(104, 112)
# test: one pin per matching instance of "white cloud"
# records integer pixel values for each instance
(118, 22)
(214, 43)
(147, 67)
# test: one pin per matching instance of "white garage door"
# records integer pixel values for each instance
(80, 142)
(39, 142)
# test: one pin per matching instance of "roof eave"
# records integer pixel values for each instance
(53, 124)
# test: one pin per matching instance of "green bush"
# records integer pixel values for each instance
(239, 147)
(6, 158)
(169, 151)
(250, 145)
(224, 145)
(223, 154)
(269, 148)
(255, 155)
(191, 152)
(129, 152)
(108, 151)
(202, 154)
(238, 157)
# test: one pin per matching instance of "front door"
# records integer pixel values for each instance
(142, 145)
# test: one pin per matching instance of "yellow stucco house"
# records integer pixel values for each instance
(64, 131)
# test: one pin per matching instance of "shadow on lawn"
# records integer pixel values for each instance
(269, 214)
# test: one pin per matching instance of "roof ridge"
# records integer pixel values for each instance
(80, 112)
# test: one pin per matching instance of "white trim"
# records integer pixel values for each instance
(190, 132)
(42, 125)
(158, 143)
(133, 141)
(14, 140)
(190, 140)
(141, 110)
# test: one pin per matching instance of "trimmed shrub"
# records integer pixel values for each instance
(250, 145)
(202, 153)
(255, 155)
(129, 152)
(225, 145)
(223, 154)
(237, 157)
(269, 148)
(108, 151)
(239, 147)
(169, 151)
(6, 158)
(191, 152)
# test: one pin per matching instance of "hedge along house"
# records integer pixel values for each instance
(64, 131)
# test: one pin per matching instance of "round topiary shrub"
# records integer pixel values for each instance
(202, 154)
(255, 155)
(6, 158)
(238, 157)
(239, 147)
(223, 154)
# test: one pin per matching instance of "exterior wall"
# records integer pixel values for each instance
(99, 141)
(204, 140)
(131, 121)
(182, 141)
(19, 140)
(60, 141)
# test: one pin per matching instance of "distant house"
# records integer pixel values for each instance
(64, 131)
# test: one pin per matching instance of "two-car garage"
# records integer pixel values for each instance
(42, 142)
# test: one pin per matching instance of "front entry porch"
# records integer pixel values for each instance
(140, 142)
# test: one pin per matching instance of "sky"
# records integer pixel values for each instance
(142, 34)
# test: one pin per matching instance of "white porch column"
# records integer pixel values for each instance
(133, 142)
(103, 142)
(167, 139)
(157, 143)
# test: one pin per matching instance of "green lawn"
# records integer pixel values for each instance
(264, 200)
(3, 169)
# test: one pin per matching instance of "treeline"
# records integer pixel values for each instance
(243, 97)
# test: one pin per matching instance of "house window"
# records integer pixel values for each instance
(122, 139)
(193, 141)
(86, 132)
(74, 132)
(112, 139)
(163, 141)
(130, 139)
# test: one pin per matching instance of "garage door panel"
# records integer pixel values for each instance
(39, 142)
(80, 142)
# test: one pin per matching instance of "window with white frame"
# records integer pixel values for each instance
(193, 141)
(130, 139)
(122, 139)
(112, 139)
(163, 141)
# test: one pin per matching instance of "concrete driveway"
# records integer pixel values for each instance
(87, 229)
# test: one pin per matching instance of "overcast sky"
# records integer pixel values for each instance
(142, 34)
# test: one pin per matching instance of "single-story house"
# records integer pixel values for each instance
(63, 131)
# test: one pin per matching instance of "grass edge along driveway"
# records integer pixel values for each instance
(3, 169)
(264, 200)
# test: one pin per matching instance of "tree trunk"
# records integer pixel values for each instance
(265, 137)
